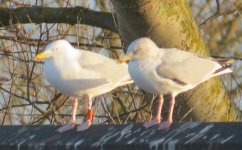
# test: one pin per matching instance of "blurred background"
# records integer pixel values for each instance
(26, 98)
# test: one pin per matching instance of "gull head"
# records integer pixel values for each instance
(139, 49)
(57, 48)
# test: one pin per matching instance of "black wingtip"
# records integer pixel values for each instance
(224, 67)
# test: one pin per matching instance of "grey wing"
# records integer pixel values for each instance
(106, 67)
(85, 84)
(185, 68)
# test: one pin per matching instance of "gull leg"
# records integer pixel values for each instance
(169, 121)
(88, 123)
(72, 120)
(157, 118)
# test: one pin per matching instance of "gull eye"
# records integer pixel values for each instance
(54, 49)
(136, 50)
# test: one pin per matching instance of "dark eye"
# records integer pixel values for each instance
(55, 49)
(136, 50)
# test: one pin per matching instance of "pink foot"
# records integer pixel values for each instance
(66, 128)
(164, 125)
(84, 126)
(151, 123)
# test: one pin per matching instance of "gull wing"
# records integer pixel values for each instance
(185, 68)
(104, 67)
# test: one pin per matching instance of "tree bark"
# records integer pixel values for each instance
(170, 24)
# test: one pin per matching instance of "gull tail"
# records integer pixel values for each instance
(225, 60)
(223, 70)
(225, 63)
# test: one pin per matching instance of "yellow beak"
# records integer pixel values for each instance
(125, 58)
(41, 56)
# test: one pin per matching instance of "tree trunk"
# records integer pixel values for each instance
(170, 24)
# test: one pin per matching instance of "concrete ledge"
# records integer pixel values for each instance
(181, 136)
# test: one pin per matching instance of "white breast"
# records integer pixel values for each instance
(143, 80)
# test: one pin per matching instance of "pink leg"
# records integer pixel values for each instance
(169, 121)
(72, 120)
(157, 118)
(88, 123)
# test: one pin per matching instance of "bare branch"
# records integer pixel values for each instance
(74, 15)
(36, 42)
(232, 10)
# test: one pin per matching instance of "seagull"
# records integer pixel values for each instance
(169, 71)
(81, 74)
